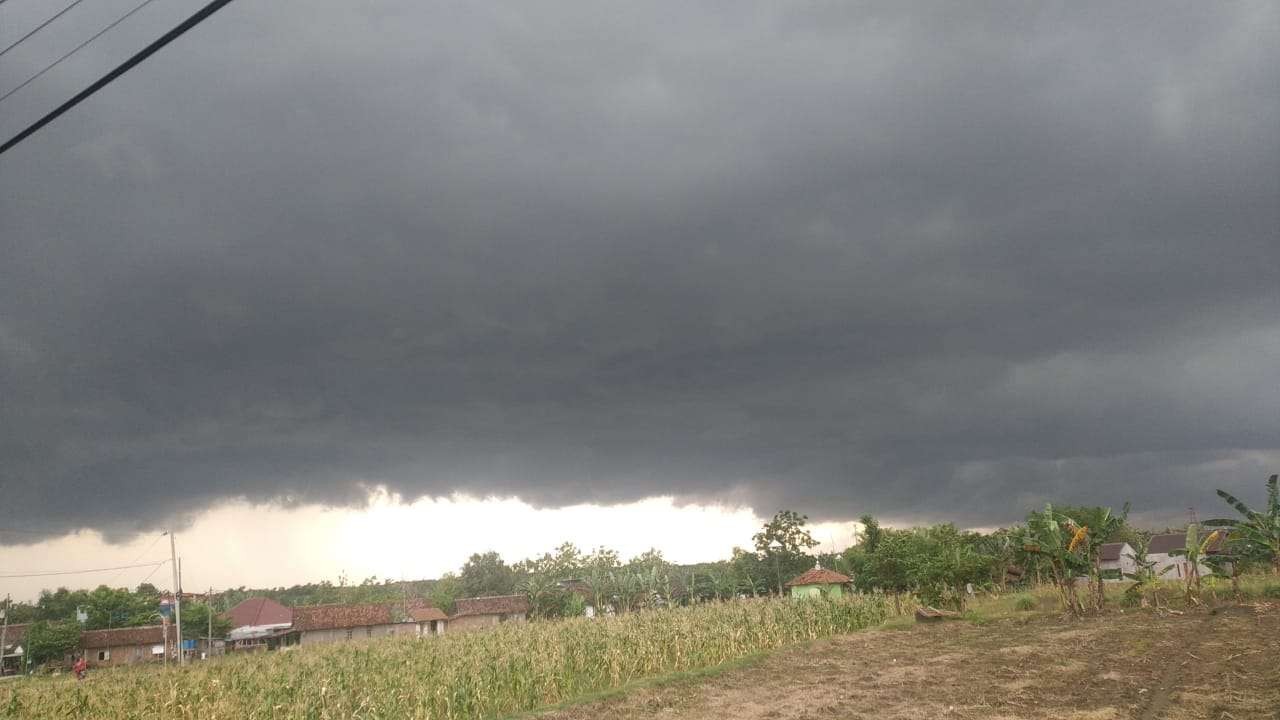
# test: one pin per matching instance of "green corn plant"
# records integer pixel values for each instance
(506, 671)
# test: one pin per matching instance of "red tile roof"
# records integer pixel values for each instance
(331, 617)
(145, 635)
(427, 614)
(820, 576)
(492, 605)
(259, 611)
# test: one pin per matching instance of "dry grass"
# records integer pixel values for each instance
(1137, 664)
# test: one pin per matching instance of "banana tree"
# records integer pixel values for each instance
(1060, 542)
(1101, 524)
(1195, 551)
(1256, 534)
(1145, 577)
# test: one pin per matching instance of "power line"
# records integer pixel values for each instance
(153, 572)
(77, 48)
(144, 552)
(200, 16)
(50, 573)
(41, 26)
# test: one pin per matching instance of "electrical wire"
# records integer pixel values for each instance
(77, 48)
(40, 27)
(153, 572)
(115, 577)
(49, 573)
(200, 16)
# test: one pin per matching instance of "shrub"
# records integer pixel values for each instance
(1025, 602)
(1271, 590)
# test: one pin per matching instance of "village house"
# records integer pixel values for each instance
(126, 646)
(1160, 549)
(483, 612)
(1115, 561)
(335, 623)
(819, 582)
(431, 620)
(11, 650)
(583, 590)
(260, 624)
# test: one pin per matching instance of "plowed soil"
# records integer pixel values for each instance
(1223, 665)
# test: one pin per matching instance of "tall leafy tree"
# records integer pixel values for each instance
(563, 563)
(783, 543)
(871, 533)
(749, 572)
(50, 642)
(445, 592)
(196, 621)
(487, 574)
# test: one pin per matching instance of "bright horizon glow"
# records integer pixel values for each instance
(262, 545)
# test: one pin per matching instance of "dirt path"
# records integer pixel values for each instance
(1132, 665)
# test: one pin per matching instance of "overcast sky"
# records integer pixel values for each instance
(930, 261)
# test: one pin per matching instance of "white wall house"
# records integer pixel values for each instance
(1159, 551)
(1116, 561)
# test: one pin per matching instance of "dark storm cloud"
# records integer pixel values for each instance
(931, 261)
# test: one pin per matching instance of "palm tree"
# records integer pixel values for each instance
(1257, 534)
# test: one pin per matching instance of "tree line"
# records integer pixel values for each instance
(940, 564)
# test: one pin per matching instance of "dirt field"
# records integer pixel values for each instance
(1132, 665)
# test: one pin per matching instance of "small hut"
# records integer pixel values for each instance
(819, 582)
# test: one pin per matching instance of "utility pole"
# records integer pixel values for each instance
(208, 606)
(4, 629)
(177, 596)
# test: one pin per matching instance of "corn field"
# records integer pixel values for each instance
(510, 669)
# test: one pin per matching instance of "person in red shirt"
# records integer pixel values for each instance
(80, 668)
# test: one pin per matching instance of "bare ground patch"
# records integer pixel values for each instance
(1119, 666)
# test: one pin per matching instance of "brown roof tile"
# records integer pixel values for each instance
(427, 614)
(1110, 552)
(492, 605)
(145, 635)
(16, 633)
(820, 576)
(1168, 542)
(330, 617)
(259, 611)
